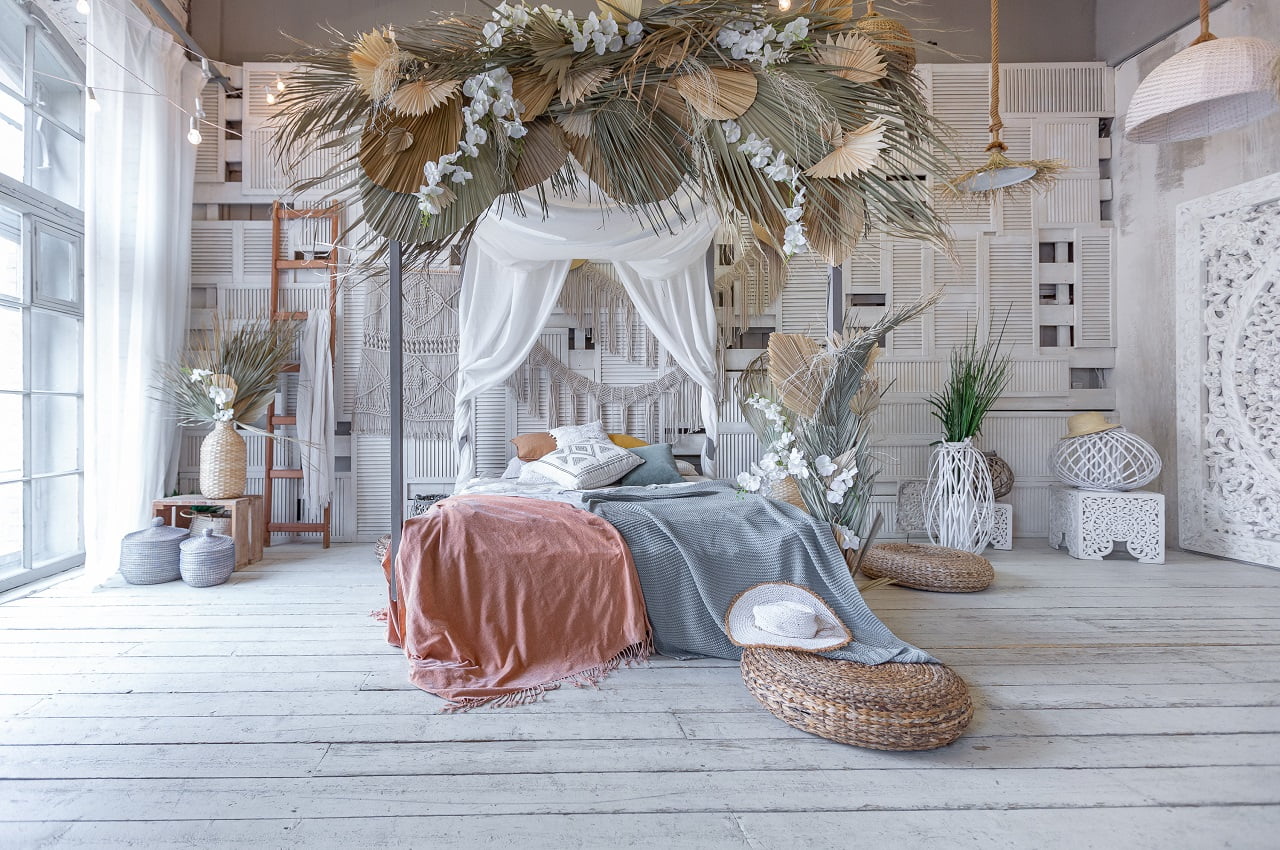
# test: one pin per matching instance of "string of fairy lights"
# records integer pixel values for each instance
(196, 116)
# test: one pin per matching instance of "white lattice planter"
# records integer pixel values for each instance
(1090, 522)
(1002, 526)
(959, 502)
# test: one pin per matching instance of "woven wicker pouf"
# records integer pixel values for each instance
(881, 707)
(925, 567)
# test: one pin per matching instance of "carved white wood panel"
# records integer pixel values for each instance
(1228, 372)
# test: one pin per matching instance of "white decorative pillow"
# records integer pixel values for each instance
(532, 476)
(592, 432)
(584, 465)
(513, 468)
(685, 468)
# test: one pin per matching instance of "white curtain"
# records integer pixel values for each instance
(138, 181)
(316, 415)
(516, 265)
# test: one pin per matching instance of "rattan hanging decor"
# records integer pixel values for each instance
(1216, 84)
(787, 116)
(1000, 173)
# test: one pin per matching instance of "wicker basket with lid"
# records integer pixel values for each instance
(150, 556)
(208, 560)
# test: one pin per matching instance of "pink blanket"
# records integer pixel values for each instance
(502, 599)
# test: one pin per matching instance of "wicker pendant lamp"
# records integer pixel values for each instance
(894, 39)
(1216, 84)
(1000, 173)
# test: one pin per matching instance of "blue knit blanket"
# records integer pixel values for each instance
(698, 547)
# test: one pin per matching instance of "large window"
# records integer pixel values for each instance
(41, 300)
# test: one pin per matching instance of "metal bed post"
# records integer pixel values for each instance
(395, 382)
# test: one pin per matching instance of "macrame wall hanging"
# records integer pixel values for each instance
(754, 276)
(599, 303)
(669, 404)
(430, 356)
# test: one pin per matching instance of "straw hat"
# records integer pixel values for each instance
(780, 615)
(1087, 423)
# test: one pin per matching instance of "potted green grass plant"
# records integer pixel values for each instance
(959, 500)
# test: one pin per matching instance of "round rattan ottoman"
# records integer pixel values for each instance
(925, 567)
(881, 707)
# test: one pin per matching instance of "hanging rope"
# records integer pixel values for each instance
(1205, 35)
(996, 124)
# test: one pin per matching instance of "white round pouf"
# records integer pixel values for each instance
(1107, 460)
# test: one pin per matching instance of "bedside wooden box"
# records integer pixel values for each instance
(246, 521)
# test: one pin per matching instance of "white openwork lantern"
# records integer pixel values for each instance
(1107, 460)
(1216, 84)
(959, 503)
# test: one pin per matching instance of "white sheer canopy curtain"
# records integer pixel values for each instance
(516, 265)
(139, 171)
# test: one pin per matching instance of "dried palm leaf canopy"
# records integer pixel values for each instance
(800, 121)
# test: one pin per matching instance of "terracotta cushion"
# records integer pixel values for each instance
(534, 446)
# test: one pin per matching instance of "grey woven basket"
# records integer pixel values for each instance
(151, 556)
(208, 559)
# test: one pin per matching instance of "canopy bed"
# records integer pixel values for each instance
(535, 138)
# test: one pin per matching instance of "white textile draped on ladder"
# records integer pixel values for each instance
(514, 270)
(315, 415)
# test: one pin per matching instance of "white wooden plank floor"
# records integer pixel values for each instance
(1120, 705)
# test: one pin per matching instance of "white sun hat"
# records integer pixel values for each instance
(780, 615)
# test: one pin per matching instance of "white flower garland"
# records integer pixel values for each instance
(775, 166)
(765, 44)
(782, 459)
(491, 92)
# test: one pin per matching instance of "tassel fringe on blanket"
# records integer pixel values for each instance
(637, 653)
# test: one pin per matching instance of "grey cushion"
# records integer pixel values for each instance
(659, 467)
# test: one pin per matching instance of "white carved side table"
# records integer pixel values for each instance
(1002, 526)
(1091, 521)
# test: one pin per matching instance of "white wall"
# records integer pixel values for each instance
(1150, 181)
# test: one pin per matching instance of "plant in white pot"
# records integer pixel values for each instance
(227, 378)
(959, 501)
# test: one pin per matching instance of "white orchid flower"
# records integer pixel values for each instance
(824, 465)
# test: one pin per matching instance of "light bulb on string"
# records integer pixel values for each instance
(82, 6)
(784, 5)
(206, 70)
(92, 103)
(271, 95)
(279, 84)
(193, 135)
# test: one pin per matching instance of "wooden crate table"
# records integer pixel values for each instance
(1090, 522)
(246, 521)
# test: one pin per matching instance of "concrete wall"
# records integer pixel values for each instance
(1032, 30)
(1150, 181)
(1125, 27)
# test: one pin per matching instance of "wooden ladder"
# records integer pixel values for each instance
(279, 215)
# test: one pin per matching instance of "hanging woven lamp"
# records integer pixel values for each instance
(895, 39)
(1000, 173)
(1216, 84)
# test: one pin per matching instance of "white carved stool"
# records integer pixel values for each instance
(1091, 521)
(1002, 526)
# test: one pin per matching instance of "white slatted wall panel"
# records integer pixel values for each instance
(906, 266)
(955, 317)
(211, 152)
(802, 306)
(1096, 261)
(1083, 88)
(373, 486)
(1010, 287)
(959, 100)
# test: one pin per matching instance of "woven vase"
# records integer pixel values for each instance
(223, 463)
(959, 502)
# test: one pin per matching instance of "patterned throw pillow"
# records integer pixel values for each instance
(592, 432)
(584, 465)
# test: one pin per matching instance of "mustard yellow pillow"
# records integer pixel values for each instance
(626, 441)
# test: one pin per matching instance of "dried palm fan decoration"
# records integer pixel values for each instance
(1000, 173)
(799, 121)
(1216, 84)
